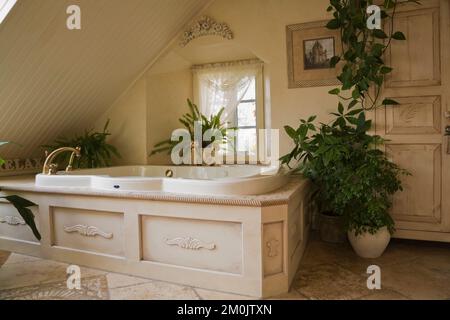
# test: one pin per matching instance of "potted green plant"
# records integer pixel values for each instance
(95, 151)
(315, 155)
(354, 178)
(188, 120)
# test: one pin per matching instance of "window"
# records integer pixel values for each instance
(5, 8)
(246, 122)
(237, 87)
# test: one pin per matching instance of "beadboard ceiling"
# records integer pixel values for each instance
(54, 81)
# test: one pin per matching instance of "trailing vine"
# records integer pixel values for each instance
(363, 66)
(353, 178)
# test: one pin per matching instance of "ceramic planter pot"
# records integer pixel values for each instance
(331, 228)
(368, 245)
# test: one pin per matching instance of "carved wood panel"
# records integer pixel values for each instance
(414, 115)
(420, 201)
(416, 61)
(273, 248)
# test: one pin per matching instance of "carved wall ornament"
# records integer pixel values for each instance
(88, 231)
(189, 243)
(273, 246)
(12, 220)
(206, 26)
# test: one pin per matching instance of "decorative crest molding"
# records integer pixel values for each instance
(12, 220)
(206, 26)
(189, 243)
(88, 231)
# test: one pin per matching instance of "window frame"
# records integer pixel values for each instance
(259, 101)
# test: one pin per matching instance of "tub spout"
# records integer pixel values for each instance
(51, 168)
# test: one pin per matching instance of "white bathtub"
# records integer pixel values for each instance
(223, 180)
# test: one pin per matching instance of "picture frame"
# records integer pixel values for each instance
(310, 47)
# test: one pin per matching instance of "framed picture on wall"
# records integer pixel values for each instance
(310, 47)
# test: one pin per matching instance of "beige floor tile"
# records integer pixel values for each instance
(20, 258)
(216, 295)
(291, 295)
(384, 294)
(16, 275)
(154, 290)
(417, 280)
(92, 288)
(319, 252)
(329, 281)
(116, 280)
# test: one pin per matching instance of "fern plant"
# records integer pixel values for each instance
(95, 151)
(188, 120)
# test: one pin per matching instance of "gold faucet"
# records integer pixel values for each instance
(51, 168)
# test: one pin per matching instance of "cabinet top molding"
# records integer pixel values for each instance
(206, 26)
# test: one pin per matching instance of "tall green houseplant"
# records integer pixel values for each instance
(354, 179)
(96, 152)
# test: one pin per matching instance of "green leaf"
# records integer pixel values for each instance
(354, 112)
(389, 102)
(398, 36)
(333, 24)
(356, 94)
(385, 70)
(312, 118)
(352, 104)
(335, 91)
(377, 49)
(334, 61)
(378, 33)
(291, 132)
(340, 108)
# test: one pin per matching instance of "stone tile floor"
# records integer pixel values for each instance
(409, 270)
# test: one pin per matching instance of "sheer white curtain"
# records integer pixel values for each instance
(223, 85)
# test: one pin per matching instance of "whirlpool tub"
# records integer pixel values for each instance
(240, 229)
(220, 180)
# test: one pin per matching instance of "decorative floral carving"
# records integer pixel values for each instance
(206, 26)
(12, 220)
(88, 231)
(189, 243)
(272, 245)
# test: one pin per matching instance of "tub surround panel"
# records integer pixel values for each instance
(201, 244)
(88, 230)
(238, 244)
(12, 225)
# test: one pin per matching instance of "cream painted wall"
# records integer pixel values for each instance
(128, 124)
(259, 30)
(165, 105)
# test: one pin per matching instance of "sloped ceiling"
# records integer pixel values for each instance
(55, 81)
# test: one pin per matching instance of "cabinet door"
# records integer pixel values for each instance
(416, 127)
